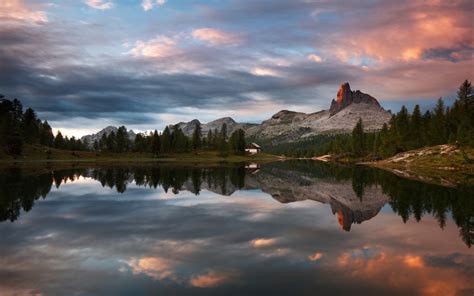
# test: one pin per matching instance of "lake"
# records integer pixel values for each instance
(282, 228)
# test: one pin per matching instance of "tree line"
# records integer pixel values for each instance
(173, 140)
(18, 127)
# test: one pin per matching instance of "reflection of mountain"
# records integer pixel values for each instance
(289, 186)
(355, 194)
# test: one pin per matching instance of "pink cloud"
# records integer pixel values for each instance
(100, 4)
(214, 36)
(159, 47)
(211, 279)
(18, 10)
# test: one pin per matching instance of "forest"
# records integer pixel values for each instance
(18, 128)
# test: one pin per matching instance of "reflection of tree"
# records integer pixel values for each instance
(408, 198)
(20, 191)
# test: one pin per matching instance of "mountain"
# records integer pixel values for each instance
(290, 126)
(232, 125)
(342, 116)
(92, 138)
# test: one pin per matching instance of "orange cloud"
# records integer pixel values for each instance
(155, 267)
(17, 10)
(316, 256)
(421, 27)
(263, 242)
(413, 261)
(214, 36)
(211, 279)
(390, 269)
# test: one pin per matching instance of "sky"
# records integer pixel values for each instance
(84, 65)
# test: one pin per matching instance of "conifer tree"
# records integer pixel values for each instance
(358, 138)
(166, 140)
(155, 143)
(196, 137)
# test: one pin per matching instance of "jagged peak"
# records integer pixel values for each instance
(345, 97)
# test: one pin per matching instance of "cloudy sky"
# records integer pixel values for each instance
(83, 65)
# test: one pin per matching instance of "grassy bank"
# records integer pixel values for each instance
(35, 154)
(444, 164)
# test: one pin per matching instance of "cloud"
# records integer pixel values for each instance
(18, 10)
(316, 256)
(214, 36)
(260, 71)
(148, 4)
(155, 267)
(211, 279)
(100, 4)
(263, 242)
(315, 58)
(159, 47)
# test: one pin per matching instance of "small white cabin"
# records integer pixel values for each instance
(253, 148)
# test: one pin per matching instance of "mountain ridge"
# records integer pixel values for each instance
(287, 126)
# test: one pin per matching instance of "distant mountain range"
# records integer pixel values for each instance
(108, 130)
(289, 126)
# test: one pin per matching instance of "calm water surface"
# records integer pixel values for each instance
(288, 228)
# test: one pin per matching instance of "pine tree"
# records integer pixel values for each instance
(122, 142)
(438, 124)
(155, 143)
(416, 125)
(46, 134)
(196, 137)
(402, 127)
(166, 140)
(358, 138)
(59, 142)
(210, 139)
(30, 128)
(222, 141)
(110, 142)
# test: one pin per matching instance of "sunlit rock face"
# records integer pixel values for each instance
(345, 97)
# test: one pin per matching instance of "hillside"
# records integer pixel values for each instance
(444, 164)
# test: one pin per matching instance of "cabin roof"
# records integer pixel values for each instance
(253, 145)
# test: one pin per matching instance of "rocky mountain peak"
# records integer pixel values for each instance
(345, 97)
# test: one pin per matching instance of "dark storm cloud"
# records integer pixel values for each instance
(74, 66)
(43, 80)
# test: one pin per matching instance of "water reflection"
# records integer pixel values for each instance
(355, 194)
(232, 230)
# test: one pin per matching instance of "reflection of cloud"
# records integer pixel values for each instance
(155, 267)
(413, 261)
(211, 279)
(263, 242)
(316, 256)
(390, 269)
